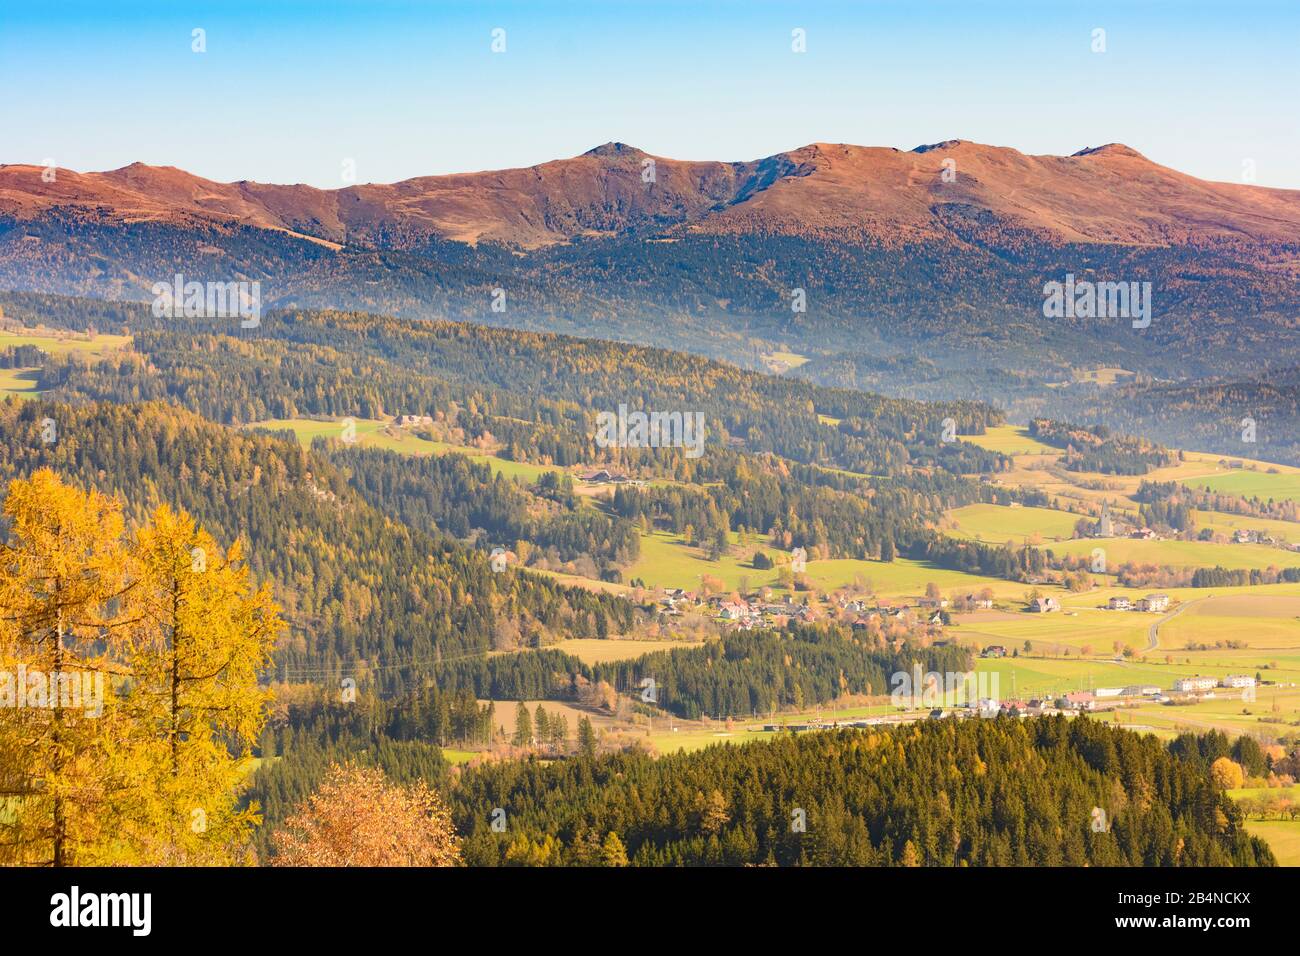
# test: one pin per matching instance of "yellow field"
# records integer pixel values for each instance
(1262, 620)
(1197, 469)
(1224, 523)
(59, 343)
(667, 562)
(1011, 440)
(22, 381)
(374, 433)
(997, 524)
(1179, 554)
(1282, 837)
(18, 381)
(1107, 375)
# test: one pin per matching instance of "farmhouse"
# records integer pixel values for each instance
(1144, 534)
(1238, 680)
(410, 421)
(980, 604)
(1187, 685)
(1079, 700)
(994, 650)
(1119, 604)
(602, 476)
(1044, 605)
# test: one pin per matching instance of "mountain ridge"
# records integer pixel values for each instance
(1104, 194)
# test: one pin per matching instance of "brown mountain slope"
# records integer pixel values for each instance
(1111, 194)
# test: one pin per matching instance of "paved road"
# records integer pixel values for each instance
(1153, 632)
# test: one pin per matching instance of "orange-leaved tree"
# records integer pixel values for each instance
(359, 818)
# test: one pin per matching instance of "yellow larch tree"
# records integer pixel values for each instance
(204, 634)
(66, 779)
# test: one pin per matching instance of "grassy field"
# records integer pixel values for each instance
(1262, 620)
(785, 360)
(59, 344)
(22, 381)
(1265, 484)
(1282, 837)
(1011, 440)
(1178, 554)
(997, 524)
(666, 561)
(372, 433)
(18, 381)
(1039, 469)
(1107, 375)
(1222, 522)
(1000, 523)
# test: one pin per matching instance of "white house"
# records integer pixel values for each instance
(1186, 685)
(1154, 602)
(1238, 680)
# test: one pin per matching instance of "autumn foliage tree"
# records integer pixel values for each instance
(204, 636)
(358, 818)
(161, 640)
(65, 774)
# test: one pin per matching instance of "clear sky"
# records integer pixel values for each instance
(287, 90)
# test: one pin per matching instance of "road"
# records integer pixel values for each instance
(1153, 632)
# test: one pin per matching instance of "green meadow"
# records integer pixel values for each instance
(21, 382)
(373, 433)
(997, 524)
(1010, 440)
(1282, 836)
(1278, 485)
(667, 561)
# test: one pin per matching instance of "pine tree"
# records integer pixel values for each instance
(586, 738)
(523, 727)
(612, 851)
(541, 727)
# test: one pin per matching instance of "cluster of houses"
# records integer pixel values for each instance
(740, 613)
(748, 613)
(1158, 603)
(1247, 536)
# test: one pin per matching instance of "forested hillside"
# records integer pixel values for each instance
(938, 793)
(366, 595)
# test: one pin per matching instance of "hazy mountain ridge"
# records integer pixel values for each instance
(1106, 194)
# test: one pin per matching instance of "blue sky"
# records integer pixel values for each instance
(289, 90)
